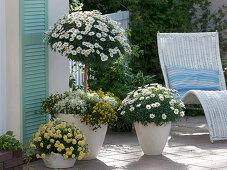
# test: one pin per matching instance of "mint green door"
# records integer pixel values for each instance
(34, 64)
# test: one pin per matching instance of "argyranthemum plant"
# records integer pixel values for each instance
(58, 137)
(88, 37)
(95, 108)
(152, 103)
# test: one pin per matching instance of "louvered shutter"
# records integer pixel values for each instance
(34, 64)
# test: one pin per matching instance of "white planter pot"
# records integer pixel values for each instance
(152, 138)
(95, 138)
(58, 161)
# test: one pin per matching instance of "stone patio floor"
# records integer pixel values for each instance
(188, 147)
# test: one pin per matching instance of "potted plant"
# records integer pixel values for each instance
(152, 108)
(60, 144)
(92, 112)
(88, 37)
(10, 152)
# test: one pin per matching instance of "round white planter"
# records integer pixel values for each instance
(152, 138)
(95, 138)
(58, 161)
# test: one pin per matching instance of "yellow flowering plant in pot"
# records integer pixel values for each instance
(60, 144)
(93, 112)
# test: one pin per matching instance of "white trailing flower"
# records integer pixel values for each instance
(164, 116)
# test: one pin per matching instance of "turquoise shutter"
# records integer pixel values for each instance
(34, 64)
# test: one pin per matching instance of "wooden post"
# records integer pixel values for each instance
(85, 78)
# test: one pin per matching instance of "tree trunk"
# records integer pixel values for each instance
(85, 78)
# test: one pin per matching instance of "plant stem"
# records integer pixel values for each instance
(85, 78)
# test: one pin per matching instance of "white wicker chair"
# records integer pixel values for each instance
(199, 51)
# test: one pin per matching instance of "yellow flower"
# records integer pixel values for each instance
(80, 157)
(38, 156)
(71, 148)
(82, 143)
(81, 153)
(69, 130)
(46, 135)
(65, 137)
(69, 135)
(32, 145)
(58, 132)
(67, 149)
(57, 127)
(41, 145)
(62, 146)
(68, 141)
(57, 142)
(55, 135)
(73, 155)
(58, 119)
(52, 154)
(63, 124)
(46, 160)
(48, 146)
(59, 149)
(78, 136)
(79, 143)
(65, 156)
(43, 156)
(53, 130)
(37, 134)
(79, 149)
(74, 141)
(51, 140)
(87, 154)
(60, 136)
(56, 145)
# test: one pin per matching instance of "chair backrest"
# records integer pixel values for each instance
(190, 50)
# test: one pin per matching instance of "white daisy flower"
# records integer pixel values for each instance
(104, 58)
(79, 37)
(91, 33)
(74, 52)
(182, 104)
(164, 116)
(141, 98)
(131, 101)
(138, 105)
(131, 109)
(123, 112)
(97, 51)
(66, 44)
(157, 104)
(161, 98)
(182, 114)
(148, 107)
(99, 35)
(176, 111)
(71, 39)
(103, 39)
(166, 96)
(152, 95)
(172, 108)
(152, 116)
(153, 105)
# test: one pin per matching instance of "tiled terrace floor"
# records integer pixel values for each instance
(188, 147)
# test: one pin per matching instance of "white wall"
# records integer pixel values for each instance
(2, 68)
(59, 69)
(13, 115)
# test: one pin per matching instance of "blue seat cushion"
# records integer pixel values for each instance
(185, 79)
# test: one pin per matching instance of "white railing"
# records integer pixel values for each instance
(76, 69)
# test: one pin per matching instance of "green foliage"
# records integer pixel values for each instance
(147, 17)
(104, 6)
(48, 104)
(8, 142)
(152, 103)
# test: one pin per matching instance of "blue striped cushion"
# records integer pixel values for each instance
(185, 79)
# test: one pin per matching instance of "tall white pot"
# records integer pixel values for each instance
(95, 138)
(152, 138)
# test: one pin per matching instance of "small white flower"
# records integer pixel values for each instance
(123, 112)
(172, 108)
(141, 98)
(131, 109)
(74, 52)
(103, 39)
(152, 116)
(79, 37)
(176, 111)
(152, 95)
(161, 98)
(148, 97)
(104, 58)
(164, 116)
(91, 33)
(99, 35)
(182, 114)
(138, 105)
(135, 95)
(157, 104)
(166, 96)
(148, 107)
(131, 101)
(171, 103)
(153, 105)
(182, 104)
